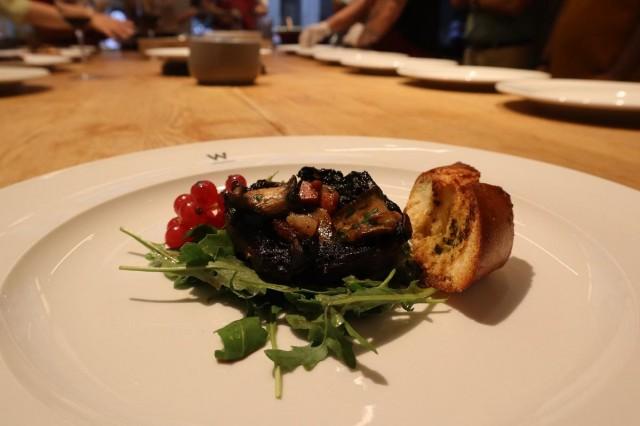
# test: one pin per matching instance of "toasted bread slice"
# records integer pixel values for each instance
(462, 229)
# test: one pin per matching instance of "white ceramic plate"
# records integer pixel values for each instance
(44, 60)
(424, 63)
(12, 53)
(288, 48)
(75, 52)
(332, 55)
(169, 53)
(469, 75)
(551, 339)
(582, 94)
(14, 75)
(373, 61)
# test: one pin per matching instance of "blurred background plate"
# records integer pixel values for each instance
(425, 63)
(169, 53)
(13, 53)
(288, 48)
(15, 75)
(470, 75)
(44, 60)
(577, 94)
(373, 60)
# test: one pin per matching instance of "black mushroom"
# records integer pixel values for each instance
(316, 228)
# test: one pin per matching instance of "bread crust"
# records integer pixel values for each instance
(463, 229)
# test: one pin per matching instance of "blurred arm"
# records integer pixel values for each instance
(504, 7)
(382, 17)
(38, 14)
(354, 12)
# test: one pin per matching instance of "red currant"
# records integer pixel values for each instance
(181, 200)
(234, 181)
(175, 236)
(174, 222)
(205, 193)
(192, 214)
(215, 218)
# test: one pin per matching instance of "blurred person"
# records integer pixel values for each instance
(42, 15)
(232, 14)
(173, 16)
(409, 26)
(596, 39)
(501, 33)
(249, 11)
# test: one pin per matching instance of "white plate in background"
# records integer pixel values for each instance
(169, 53)
(470, 75)
(425, 63)
(373, 60)
(44, 59)
(75, 52)
(333, 55)
(553, 338)
(13, 53)
(577, 94)
(14, 75)
(288, 48)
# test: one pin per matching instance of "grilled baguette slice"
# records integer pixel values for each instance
(462, 229)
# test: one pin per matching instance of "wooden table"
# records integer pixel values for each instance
(57, 122)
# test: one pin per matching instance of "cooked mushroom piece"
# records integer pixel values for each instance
(303, 224)
(272, 201)
(366, 217)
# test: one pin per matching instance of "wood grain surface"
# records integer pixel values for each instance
(59, 122)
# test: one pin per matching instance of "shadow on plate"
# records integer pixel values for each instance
(492, 299)
(22, 89)
(451, 86)
(620, 119)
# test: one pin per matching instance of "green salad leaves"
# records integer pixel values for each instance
(320, 316)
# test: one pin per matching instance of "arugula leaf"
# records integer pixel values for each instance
(307, 356)
(217, 245)
(242, 280)
(322, 314)
(192, 255)
(338, 318)
(199, 232)
(241, 338)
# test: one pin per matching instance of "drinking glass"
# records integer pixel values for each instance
(77, 13)
(147, 16)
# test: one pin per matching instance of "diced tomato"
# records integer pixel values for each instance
(329, 198)
(308, 194)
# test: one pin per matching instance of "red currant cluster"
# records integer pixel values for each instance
(203, 205)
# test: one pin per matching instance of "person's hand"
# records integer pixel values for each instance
(352, 36)
(314, 34)
(110, 27)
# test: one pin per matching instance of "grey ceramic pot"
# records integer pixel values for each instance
(224, 60)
